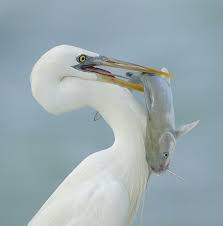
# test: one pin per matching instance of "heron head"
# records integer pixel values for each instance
(66, 72)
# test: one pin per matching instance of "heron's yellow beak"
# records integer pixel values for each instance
(109, 62)
(106, 76)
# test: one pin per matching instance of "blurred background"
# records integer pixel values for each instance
(38, 150)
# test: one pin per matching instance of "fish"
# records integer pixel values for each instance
(161, 134)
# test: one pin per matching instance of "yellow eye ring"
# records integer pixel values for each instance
(82, 58)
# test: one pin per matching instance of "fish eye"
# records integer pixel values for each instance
(82, 58)
(165, 155)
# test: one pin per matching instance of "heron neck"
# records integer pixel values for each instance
(127, 120)
(126, 117)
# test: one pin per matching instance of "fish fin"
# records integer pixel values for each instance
(97, 116)
(149, 99)
(183, 130)
(164, 77)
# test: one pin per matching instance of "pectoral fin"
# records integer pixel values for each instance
(183, 130)
(97, 116)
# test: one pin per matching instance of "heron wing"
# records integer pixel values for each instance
(89, 196)
(108, 206)
(102, 204)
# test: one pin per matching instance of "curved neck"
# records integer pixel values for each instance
(127, 119)
(125, 116)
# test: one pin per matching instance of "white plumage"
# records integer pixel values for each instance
(106, 188)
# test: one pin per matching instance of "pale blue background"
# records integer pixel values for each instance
(38, 150)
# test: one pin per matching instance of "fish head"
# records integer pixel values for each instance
(161, 152)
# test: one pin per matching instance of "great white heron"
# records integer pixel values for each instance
(106, 188)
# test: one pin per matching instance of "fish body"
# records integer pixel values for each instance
(161, 134)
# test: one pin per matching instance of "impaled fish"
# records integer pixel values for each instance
(161, 133)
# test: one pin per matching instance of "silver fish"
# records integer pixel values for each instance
(161, 133)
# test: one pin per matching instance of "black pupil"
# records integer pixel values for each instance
(82, 58)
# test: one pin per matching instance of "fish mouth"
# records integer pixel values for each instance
(160, 170)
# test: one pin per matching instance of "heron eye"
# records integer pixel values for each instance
(82, 58)
(165, 155)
